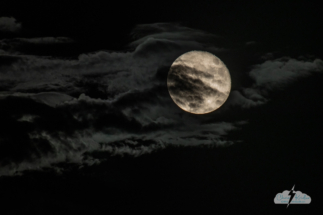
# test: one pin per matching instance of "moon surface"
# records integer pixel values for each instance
(199, 82)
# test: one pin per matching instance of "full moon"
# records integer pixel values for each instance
(198, 82)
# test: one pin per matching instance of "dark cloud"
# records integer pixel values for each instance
(275, 73)
(104, 103)
(45, 40)
(251, 43)
(239, 99)
(24, 139)
(9, 24)
(15, 42)
(170, 31)
(185, 88)
(36, 45)
(272, 75)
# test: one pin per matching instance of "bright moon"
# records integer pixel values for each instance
(199, 82)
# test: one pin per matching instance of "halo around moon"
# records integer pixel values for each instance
(199, 82)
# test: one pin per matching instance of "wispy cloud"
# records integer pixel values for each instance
(117, 103)
(272, 75)
(9, 24)
(109, 102)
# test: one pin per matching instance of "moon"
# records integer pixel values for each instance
(199, 82)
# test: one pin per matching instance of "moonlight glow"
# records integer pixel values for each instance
(199, 82)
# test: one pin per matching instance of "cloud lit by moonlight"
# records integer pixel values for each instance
(199, 82)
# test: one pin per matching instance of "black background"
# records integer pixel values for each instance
(282, 144)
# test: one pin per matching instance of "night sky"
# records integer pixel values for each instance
(88, 125)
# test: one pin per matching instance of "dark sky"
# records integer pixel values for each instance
(88, 126)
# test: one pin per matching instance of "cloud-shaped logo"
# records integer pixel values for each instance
(292, 197)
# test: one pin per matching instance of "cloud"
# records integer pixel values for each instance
(271, 75)
(65, 129)
(22, 45)
(279, 72)
(109, 103)
(9, 24)
(2, 52)
(49, 98)
(170, 31)
(138, 67)
(46, 40)
(250, 99)
(251, 43)
(14, 43)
